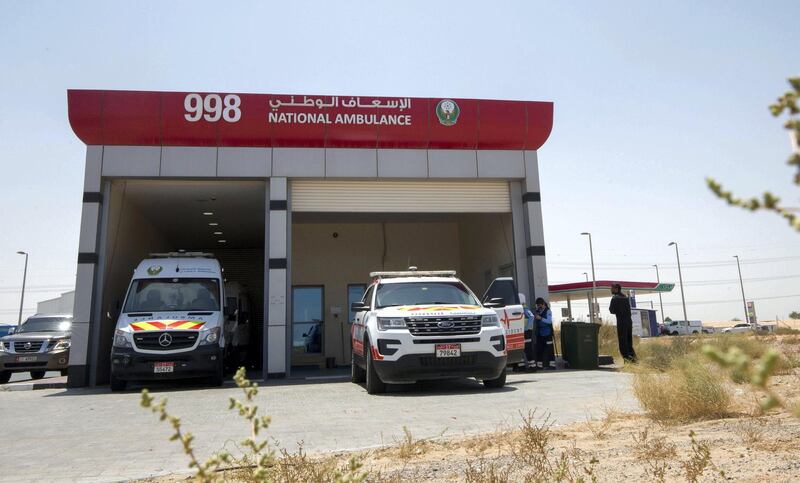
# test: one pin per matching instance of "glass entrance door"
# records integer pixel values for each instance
(307, 325)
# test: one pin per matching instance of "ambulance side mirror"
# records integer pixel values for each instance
(494, 303)
(522, 299)
(359, 307)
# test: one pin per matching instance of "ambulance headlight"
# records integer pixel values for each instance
(120, 340)
(386, 323)
(490, 321)
(209, 336)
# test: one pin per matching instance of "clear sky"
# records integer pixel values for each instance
(650, 97)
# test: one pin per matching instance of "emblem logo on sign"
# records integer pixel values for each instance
(446, 324)
(154, 270)
(165, 340)
(447, 111)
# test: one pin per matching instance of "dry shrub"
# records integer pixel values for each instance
(531, 447)
(655, 452)
(661, 354)
(751, 430)
(298, 466)
(488, 471)
(699, 460)
(689, 391)
(600, 429)
(607, 341)
(753, 346)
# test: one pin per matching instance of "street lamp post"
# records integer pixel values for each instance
(741, 284)
(680, 279)
(588, 297)
(22, 297)
(594, 281)
(660, 300)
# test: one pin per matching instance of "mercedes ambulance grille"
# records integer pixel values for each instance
(153, 341)
(444, 325)
(28, 346)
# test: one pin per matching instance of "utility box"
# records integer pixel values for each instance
(579, 345)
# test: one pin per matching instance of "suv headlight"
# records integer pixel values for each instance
(61, 345)
(209, 336)
(120, 340)
(490, 321)
(386, 323)
(4, 346)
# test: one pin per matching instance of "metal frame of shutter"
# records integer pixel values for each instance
(400, 196)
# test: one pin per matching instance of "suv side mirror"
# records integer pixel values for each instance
(12, 330)
(359, 307)
(494, 303)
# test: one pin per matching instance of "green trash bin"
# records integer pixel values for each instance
(579, 344)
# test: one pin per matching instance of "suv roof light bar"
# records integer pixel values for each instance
(414, 273)
(182, 255)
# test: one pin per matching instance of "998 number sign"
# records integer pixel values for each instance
(212, 107)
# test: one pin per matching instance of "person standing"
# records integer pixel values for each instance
(543, 317)
(621, 308)
(529, 353)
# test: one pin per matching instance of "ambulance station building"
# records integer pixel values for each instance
(299, 197)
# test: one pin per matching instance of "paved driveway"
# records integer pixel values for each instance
(102, 436)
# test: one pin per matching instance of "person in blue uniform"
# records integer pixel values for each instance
(543, 320)
(529, 352)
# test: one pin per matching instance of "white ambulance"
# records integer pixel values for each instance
(172, 320)
(414, 325)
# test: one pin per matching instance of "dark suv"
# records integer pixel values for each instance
(40, 344)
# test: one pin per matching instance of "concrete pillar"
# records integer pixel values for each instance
(86, 285)
(520, 240)
(534, 230)
(276, 362)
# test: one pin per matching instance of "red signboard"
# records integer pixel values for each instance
(133, 118)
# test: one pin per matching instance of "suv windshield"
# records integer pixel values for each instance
(45, 324)
(421, 293)
(168, 294)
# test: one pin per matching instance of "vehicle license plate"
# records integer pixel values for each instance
(161, 367)
(26, 358)
(448, 350)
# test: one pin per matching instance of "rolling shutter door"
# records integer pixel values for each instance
(400, 196)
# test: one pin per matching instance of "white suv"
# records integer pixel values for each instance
(415, 325)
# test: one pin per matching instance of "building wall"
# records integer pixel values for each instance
(487, 249)
(319, 258)
(130, 238)
(103, 293)
(58, 306)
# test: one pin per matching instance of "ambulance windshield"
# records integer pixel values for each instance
(173, 294)
(422, 293)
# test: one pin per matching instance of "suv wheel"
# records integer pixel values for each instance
(5, 376)
(374, 383)
(495, 383)
(357, 373)
(117, 384)
(37, 374)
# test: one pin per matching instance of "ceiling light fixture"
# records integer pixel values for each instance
(213, 223)
(218, 233)
(222, 241)
(208, 213)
